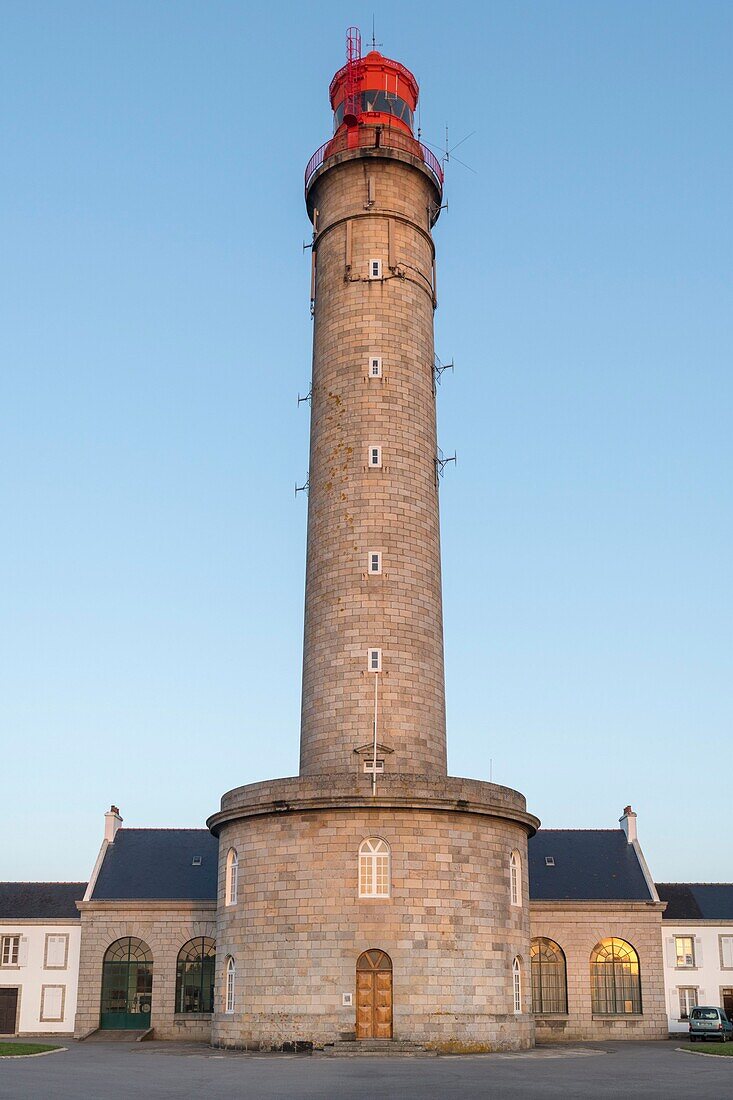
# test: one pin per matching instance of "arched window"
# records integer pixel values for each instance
(231, 973)
(374, 871)
(195, 976)
(549, 977)
(517, 985)
(232, 877)
(515, 878)
(127, 984)
(615, 980)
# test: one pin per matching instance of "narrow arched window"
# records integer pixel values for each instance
(517, 985)
(232, 877)
(374, 869)
(515, 878)
(615, 979)
(231, 973)
(549, 977)
(195, 976)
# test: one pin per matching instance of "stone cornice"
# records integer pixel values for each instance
(543, 905)
(304, 794)
(50, 922)
(145, 906)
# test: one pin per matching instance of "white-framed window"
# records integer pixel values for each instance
(374, 660)
(375, 366)
(688, 1000)
(229, 998)
(515, 878)
(10, 951)
(56, 951)
(231, 878)
(374, 868)
(726, 952)
(52, 1003)
(375, 269)
(374, 457)
(517, 985)
(375, 562)
(684, 951)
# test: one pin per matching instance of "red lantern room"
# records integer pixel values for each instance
(372, 90)
(373, 101)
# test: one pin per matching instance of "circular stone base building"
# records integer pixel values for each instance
(424, 939)
(373, 898)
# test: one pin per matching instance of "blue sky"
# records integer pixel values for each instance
(155, 333)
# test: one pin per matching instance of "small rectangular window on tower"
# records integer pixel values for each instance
(375, 269)
(375, 457)
(375, 561)
(375, 366)
(375, 660)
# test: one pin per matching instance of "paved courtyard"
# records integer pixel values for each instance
(169, 1071)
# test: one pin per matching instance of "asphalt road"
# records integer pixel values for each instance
(169, 1071)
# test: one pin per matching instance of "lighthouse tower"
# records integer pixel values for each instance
(372, 897)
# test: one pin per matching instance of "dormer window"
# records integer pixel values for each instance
(196, 861)
(549, 861)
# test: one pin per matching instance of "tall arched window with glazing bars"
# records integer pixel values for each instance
(195, 976)
(549, 977)
(374, 868)
(515, 878)
(231, 878)
(615, 979)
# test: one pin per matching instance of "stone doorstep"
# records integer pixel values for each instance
(119, 1036)
(390, 1048)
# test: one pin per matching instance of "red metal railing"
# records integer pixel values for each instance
(374, 137)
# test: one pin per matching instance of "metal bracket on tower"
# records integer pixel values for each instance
(306, 398)
(438, 369)
(306, 245)
(303, 488)
(441, 462)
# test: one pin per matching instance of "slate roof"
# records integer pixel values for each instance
(40, 900)
(590, 865)
(697, 900)
(157, 864)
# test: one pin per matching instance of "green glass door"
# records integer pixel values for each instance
(127, 985)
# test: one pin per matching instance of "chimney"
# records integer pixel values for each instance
(112, 822)
(628, 824)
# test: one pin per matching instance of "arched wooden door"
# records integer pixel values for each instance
(374, 995)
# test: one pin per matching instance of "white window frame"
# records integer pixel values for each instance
(687, 999)
(371, 562)
(231, 878)
(374, 456)
(684, 955)
(375, 366)
(375, 868)
(229, 990)
(515, 878)
(61, 939)
(726, 939)
(10, 952)
(517, 985)
(375, 269)
(374, 659)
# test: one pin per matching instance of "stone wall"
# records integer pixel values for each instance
(577, 927)
(298, 927)
(373, 208)
(165, 926)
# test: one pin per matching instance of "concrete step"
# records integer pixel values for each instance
(115, 1036)
(389, 1048)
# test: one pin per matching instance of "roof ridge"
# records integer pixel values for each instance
(163, 829)
(42, 882)
(550, 829)
(693, 883)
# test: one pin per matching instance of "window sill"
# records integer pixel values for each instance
(11, 966)
(181, 1017)
(618, 1016)
(552, 1015)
